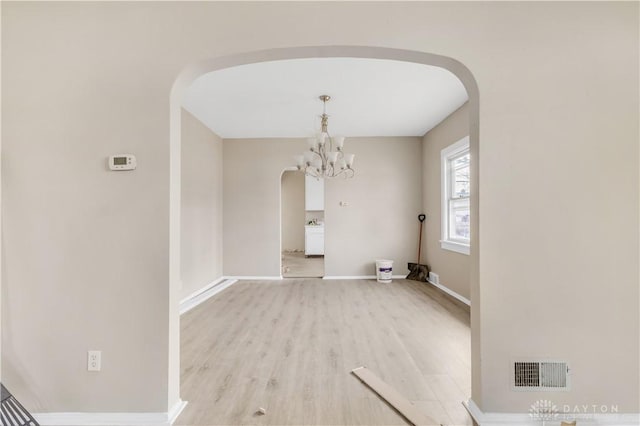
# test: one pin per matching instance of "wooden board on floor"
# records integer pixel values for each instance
(394, 398)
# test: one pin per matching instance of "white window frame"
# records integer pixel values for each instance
(445, 189)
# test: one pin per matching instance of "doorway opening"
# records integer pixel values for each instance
(196, 70)
(302, 225)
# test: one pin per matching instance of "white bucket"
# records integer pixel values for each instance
(384, 270)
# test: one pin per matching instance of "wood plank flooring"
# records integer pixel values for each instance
(297, 265)
(289, 345)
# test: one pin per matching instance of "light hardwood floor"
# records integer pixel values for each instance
(297, 265)
(288, 346)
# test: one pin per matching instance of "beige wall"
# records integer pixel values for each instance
(85, 264)
(384, 200)
(251, 203)
(201, 216)
(452, 267)
(558, 174)
(292, 211)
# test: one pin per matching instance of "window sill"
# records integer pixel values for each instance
(455, 246)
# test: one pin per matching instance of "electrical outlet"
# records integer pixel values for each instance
(434, 278)
(94, 360)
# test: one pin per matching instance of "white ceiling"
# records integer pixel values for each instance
(370, 97)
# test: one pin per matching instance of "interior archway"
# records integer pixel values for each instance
(190, 73)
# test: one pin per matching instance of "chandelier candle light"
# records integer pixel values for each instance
(325, 157)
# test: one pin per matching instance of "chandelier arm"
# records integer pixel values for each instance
(329, 170)
(319, 156)
(311, 172)
(345, 172)
(330, 141)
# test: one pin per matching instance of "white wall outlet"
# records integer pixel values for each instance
(94, 360)
(434, 278)
(344, 204)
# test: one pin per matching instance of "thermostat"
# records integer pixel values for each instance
(122, 162)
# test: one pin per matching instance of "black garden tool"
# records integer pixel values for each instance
(417, 271)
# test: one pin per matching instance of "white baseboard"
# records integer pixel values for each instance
(255, 278)
(498, 419)
(111, 419)
(328, 277)
(524, 419)
(359, 277)
(202, 290)
(451, 293)
(177, 409)
(205, 293)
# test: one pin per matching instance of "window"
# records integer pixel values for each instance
(456, 213)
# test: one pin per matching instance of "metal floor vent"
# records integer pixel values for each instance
(12, 413)
(540, 375)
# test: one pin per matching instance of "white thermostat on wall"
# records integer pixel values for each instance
(122, 162)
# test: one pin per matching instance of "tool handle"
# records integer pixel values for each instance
(420, 243)
(421, 218)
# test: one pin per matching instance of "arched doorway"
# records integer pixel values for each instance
(189, 74)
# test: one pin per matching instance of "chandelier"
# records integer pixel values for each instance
(325, 157)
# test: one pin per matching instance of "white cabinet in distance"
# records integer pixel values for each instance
(314, 240)
(313, 193)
